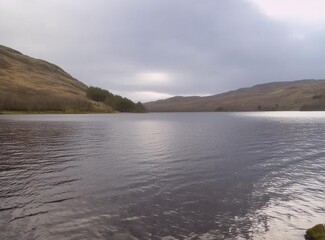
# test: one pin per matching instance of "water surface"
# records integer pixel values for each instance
(162, 176)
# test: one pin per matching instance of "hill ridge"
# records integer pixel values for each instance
(305, 94)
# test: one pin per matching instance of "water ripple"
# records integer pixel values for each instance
(161, 176)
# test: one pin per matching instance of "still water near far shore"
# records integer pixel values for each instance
(162, 176)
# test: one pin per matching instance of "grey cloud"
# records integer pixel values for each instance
(205, 47)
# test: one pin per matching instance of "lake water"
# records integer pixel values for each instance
(162, 176)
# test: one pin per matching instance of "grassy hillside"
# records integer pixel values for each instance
(29, 84)
(277, 96)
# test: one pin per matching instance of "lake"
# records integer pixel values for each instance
(162, 176)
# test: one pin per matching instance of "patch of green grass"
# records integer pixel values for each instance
(316, 233)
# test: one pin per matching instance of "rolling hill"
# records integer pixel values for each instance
(276, 96)
(29, 84)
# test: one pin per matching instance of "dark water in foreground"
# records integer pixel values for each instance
(162, 176)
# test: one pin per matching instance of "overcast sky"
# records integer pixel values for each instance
(153, 49)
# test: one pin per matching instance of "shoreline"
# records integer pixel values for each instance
(50, 112)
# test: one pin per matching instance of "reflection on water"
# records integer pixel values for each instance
(161, 176)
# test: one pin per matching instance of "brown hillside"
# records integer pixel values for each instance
(277, 96)
(30, 84)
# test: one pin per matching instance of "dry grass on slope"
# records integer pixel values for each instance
(278, 96)
(29, 84)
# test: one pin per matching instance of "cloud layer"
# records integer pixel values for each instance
(154, 49)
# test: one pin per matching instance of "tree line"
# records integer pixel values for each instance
(117, 102)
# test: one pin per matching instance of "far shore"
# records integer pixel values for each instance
(116, 112)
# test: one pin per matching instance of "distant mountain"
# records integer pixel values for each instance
(29, 84)
(276, 96)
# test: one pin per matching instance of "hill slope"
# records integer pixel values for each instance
(29, 84)
(282, 96)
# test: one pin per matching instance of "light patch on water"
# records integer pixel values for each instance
(284, 114)
(171, 212)
(133, 218)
